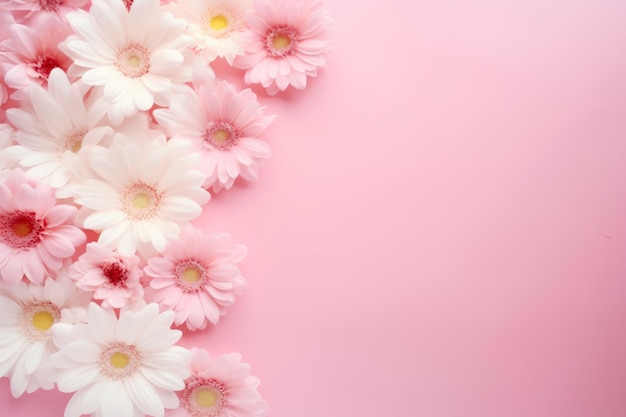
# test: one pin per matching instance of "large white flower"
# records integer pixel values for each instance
(28, 312)
(127, 366)
(141, 192)
(133, 55)
(54, 133)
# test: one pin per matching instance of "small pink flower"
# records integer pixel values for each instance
(114, 278)
(196, 278)
(30, 54)
(288, 44)
(31, 11)
(224, 126)
(220, 387)
(36, 233)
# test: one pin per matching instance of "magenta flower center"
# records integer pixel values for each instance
(133, 60)
(116, 274)
(281, 41)
(221, 135)
(128, 3)
(204, 397)
(50, 5)
(21, 230)
(44, 65)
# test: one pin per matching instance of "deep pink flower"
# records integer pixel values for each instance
(36, 233)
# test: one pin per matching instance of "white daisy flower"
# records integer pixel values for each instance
(218, 26)
(141, 193)
(127, 366)
(133, 55)
(54, 133)
(28, 312)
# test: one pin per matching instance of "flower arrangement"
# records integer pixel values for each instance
(114, 132)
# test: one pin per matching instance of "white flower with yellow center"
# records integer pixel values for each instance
(217, 26)
(134, 56)
(28, 312)
(126, 366)
(141, 193)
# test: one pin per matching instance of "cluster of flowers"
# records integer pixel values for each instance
(114, 130)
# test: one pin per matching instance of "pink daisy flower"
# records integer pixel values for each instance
(287, 45)
(36, 233)
(30, 54)
(114, 278)
(30, 11)
(220, 387)
(224, 127)
(196, 278)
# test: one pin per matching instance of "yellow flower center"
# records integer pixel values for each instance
(22, 228)
(281, 42)
(205, 397)
(141, 201)
(119, 360)
(220, 136)
(218, 22)
(42, 320)
(192, 274)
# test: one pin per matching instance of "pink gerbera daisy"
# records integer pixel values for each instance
(114, 278)
(31, 11)
(224, 126)
(30, 54)
(220, 387)
(196, 278)
(36, 233)
(288, 44)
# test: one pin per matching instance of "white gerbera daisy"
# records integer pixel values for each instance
(28, 312)
(141, 193)
(126, 366)
(56, 130)
(133, 55)
(217, 26)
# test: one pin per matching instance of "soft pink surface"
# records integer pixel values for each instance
(441, 229)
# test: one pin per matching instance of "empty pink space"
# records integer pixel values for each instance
(441, 229)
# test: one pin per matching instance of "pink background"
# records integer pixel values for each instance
(441, 229)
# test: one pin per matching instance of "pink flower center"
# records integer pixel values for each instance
(119, 360)
(44, 65)
(50, 5)
(128, 3)
(74, 142)
(21, 230)
(221, 135)
(190, 275)
(133, 60)
(281, 41)
(204, 397)
(38, 318)
(116, 274)
(141, 201)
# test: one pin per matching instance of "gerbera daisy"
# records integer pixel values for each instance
(28, 312)
(114, 278)
(197, 278)
(31, 11)
(217, 26)
(31, 53)
(288, 44)
(36, 233)
(54, 133)
(224, 127)
(220, 387)
(141, 192)
(126, 366)
(133, 55)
